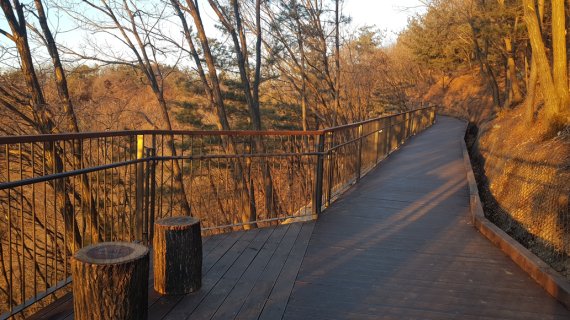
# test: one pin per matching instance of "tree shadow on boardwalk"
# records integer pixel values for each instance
(400, 245)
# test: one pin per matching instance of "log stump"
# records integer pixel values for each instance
(177, 255)
(110, 281)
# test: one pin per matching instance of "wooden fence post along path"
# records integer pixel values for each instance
(177, 255)
(110, 281)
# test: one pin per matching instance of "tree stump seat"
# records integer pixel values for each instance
(177, 255)
(110, 281)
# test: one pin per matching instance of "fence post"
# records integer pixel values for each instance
(152, 187)
(330, 156)
(359, 159)
(139, 191)
(387, 137)
(377, 141)
(318, 194)
(413, 116)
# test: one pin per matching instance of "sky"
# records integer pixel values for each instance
(388, 15)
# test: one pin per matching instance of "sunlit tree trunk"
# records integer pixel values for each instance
(551, 98)
(560, 65)
(88, 202)
(42, 117)
(513, 90)
(337, 62)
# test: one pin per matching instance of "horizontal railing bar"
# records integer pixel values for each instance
(61, 175)
(356, 124)
(104, 134)
(353, 140)
(126, 133)
(67, 174)
(236, 156)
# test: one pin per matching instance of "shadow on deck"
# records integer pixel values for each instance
(398, 245)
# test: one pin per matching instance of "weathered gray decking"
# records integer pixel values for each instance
(398, 245)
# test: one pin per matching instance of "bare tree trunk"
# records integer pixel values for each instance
(212, 73)
(239, 172)
(156, 84)
(485, 67)
(42, 117)
(251, 91)
(513, 90)
(531, 92)
(88, 202)
(337, 63)
(552, 101)
(560, 64)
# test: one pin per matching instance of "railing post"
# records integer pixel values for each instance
(318, 194)
(139, 191)
(330, 156)
(377, 142)
(152, 188)
(388, 139)
(359, 154)
(412, 131)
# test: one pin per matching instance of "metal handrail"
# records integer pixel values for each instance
(59, 192)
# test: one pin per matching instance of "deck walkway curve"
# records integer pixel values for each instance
(398, 245)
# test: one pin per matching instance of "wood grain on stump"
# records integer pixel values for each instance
(177, 255)
(110, 281)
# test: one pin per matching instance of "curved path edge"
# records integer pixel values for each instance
(554, 283)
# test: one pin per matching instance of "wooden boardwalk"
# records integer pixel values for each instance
(398, 245)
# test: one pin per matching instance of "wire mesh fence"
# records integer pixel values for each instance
(525, 192)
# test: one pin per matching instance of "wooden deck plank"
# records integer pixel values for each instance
(164, 304)
(275, 305)
(221, 290)
(253, 304)
(212, 250)
(188, 303)
(235, 299)
(59, 309)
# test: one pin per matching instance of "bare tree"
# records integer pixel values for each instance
(125, 22)
(552, 99)
(41, 118)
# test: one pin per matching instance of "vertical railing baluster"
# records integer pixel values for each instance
(11, 280)
(33, 160)
(359, 154)
(330, 156)
(318, 194)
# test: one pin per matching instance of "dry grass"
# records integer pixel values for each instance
(464, 96)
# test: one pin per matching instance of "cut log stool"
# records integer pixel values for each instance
(110, 281)
(177, 255)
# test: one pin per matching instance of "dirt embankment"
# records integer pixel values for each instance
(523, 170)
